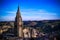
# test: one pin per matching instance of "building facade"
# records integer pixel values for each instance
(19, 30)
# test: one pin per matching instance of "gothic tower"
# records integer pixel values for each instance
(18, 24)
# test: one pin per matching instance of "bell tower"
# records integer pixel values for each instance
(18, 24)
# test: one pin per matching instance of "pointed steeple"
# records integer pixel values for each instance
(19, 23)
(18, 12)
(18, 9)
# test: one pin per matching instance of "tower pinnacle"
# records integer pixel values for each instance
(18, 12)
(19, 23)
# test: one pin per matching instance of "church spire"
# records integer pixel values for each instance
(18, 8)
(19, 23)
(18, 12)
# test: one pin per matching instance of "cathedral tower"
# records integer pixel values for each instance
(18, 24)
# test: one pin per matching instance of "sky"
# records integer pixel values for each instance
(30, 9)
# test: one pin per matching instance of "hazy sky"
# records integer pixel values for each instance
(30, 9)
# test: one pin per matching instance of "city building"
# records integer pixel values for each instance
(19, 31)
(19, 27)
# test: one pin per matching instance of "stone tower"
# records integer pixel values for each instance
(18, 24)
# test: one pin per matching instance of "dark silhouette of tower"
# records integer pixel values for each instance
(18, 24)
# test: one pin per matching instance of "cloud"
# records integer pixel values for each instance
(7, 18)
(31, 14)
